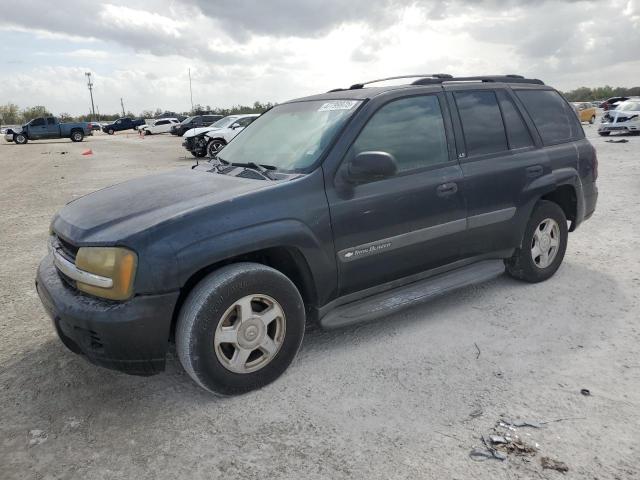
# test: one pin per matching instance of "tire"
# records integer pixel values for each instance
(524, 264)
(592, 120)
(211, 308)
(20, 139)
(77, 136)
(110, 132)
(214, 145)
(146, 132)
(604, 134)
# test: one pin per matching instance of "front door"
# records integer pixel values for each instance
(38, 128)
(407, 223)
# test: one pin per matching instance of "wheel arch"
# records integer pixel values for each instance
(288, 260)
(566, 197)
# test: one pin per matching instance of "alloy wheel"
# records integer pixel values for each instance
(545, 243)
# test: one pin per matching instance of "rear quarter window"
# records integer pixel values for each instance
(554, 118)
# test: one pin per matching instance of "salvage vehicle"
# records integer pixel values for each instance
(331, 209)
(162, 125)
(586, 112)
(625, 118)
(124, 123)
(194, 122)
(42, 128)
(612, 103)
(200, 141)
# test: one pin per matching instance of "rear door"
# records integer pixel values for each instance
(498, 156)
(408, 223)
(53, 129)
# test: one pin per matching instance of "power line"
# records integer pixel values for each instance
(90, 85)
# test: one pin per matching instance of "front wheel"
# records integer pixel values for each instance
(20, 138)
(215, 146)
(543, 245)
(110, 131)
(604, 134)
(147, 132)
(240, 328)
(592, 120)
(77, 136)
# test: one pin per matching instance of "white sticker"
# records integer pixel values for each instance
(337, 105)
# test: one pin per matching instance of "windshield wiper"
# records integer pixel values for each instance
(263, 169)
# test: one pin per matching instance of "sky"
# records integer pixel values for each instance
(240, 51)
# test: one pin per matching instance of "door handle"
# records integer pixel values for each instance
(534, 171)
(446, 189)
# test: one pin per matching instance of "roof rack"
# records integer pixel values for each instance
(438, 78)
(482, 78)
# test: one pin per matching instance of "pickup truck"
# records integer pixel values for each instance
(49, 127)
(124, 123)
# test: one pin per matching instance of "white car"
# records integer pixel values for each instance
(207, 140)
(625, 118)
(162, 125)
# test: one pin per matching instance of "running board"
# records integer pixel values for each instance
(391, 301)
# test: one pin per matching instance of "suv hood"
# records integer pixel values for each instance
(115, 213)
(197, 131)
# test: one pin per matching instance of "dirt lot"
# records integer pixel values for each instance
(407, 397)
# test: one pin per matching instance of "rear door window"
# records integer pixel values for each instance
(481, 122)
(555, 120)
(517, 132)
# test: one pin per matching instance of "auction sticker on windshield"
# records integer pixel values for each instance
(337, 105)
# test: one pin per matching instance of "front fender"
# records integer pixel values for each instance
(288, 233)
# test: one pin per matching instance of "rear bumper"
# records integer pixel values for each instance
(131, 337)
(590, 192)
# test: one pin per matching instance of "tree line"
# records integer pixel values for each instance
(12, 114)
(586, 94)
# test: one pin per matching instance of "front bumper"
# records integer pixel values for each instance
(619, 127)
(130, 336)
(8, 137)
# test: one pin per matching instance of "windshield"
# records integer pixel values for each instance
(187, 120)
(629, 106)
(291, 136)
(223, 122)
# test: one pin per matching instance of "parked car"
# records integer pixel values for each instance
(331, 209)
(199, 141)
(124, 123)
(194, 122)
(48, 127)
(586, 112)
(95, 126)
(611, 103)
(625, 118)
(162, 125)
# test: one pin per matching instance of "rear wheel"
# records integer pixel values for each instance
(592, 120)
(20, 138)
(543, 245)
(240, 328)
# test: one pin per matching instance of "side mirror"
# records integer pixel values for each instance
(234, 126)
(370, 166)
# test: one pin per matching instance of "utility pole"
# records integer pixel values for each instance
(190, 90)
(122, 105)
(90, 85)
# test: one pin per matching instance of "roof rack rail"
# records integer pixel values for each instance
(511, 78)
(426, 75)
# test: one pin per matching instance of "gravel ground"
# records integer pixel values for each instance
(406, 397)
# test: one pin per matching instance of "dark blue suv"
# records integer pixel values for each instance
(329, 209)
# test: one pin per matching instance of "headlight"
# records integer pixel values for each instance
(118, 264)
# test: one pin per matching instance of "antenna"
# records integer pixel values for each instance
(190, 91)
(90, 85)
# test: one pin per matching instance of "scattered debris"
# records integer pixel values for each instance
(87, 152)
(476, 413)
(585, 392)
(551, 464)
(482, 454)
(562, 420)
(622, 140)
(521, 423)
(478, 349)
(63, 153)
(38, 437)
